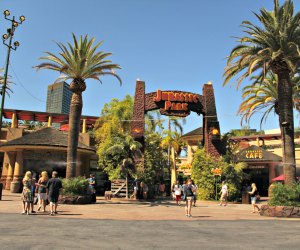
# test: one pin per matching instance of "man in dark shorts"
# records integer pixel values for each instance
(53, 187)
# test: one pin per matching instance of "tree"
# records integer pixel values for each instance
(8, 89)
(263, 97)
(78, 62)
(274, 47)
(205, 180)
(115, 144)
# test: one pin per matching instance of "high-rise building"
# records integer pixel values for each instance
(59, 98)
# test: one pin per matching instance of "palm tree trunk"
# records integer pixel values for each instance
(74, 127)
(285, 102)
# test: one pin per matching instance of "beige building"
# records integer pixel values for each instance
(43, 149)
(262, 153)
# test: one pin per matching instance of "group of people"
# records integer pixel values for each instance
(140, 190)
(47, 189)
(186, 192)
(253, 193)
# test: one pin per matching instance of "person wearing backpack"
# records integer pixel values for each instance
(188, 193)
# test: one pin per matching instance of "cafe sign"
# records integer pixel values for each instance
(254, 154)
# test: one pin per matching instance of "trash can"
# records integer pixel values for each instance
(1, 188)
(245, 198)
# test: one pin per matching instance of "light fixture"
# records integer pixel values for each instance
(215, 131)
(17, 44)
(15, 24)
(22, 18)
(5, 36)
(6, 13)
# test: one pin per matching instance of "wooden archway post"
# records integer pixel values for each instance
(211, 127)
(138, 118)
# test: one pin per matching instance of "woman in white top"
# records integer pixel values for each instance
(224, 194)
(177, 192)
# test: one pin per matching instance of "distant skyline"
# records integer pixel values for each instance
(169, 44)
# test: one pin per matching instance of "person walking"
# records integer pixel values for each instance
(195, 188)
(42, 192)
(224, 194)
(177, 191)
(92, 187)
(53, 187)
(27, 195)
(188, 194)
(144, 190)
(253, 194)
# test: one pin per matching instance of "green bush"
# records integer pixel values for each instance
(285, 195)
(201, 174)
(75, 186)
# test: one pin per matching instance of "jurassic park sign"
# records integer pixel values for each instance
(175, 101)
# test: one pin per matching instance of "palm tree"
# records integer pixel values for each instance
(262, 97)
(274, 47)
(8, 89)
(78, 62)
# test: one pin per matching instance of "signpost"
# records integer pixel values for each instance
(216, 172)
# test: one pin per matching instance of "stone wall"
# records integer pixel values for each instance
(280, 211)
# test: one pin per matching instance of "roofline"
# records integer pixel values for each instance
(56, 117)
(37, 146)
(254, 137)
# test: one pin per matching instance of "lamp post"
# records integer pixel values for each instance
(8, 36)
(216, 172)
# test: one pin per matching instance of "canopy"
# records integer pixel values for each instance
(281, 178)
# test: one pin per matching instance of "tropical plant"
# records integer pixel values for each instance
(273, 47)
(285, 195)
(115, 144)
(78, 62)
(75, 186)
(155, 164)
(203, 177)
(263, 97)
(8, 89)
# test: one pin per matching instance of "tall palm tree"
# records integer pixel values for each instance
(273, 46)
(78, 62)
(262, 97)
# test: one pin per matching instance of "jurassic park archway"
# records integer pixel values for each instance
(178, 103)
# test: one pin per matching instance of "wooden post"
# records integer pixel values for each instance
(84, 126)
(49, 121)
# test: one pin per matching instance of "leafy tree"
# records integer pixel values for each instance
(78, 62)
(115, 144)
(156, 162)
(201, 173)
(272, 47)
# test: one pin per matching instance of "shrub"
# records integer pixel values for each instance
(75, 186)
(285, 195)
(201, 174)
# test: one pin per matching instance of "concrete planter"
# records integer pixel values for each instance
(280, 211)
(80, 199)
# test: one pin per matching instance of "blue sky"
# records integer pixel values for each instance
(169, 44)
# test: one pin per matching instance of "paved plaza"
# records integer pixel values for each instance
(121, 224)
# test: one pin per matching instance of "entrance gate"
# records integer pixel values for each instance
(178, 103)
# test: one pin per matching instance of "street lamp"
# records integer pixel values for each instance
(216, 172)
(8, 36)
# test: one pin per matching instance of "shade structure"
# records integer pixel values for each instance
(281, 178)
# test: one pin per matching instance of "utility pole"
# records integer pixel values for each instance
(8, 36)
